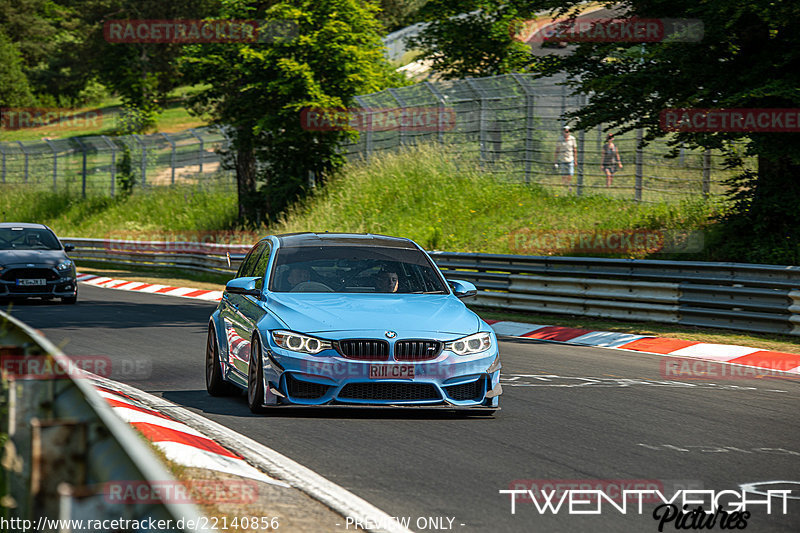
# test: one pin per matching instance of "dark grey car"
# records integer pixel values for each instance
(34, 264)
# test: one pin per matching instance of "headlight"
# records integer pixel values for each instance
(300, 343)
(479, 342)
(64, 265)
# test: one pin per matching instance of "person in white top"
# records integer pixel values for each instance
(565, 157)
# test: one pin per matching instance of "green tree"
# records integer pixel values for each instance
(397, 14)
(14, 89)
(475, 37)
(749, 57)
(256, 91)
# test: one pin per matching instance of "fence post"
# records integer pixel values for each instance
(171, 156)
(639, 164)
(706, 172)
(83, 167)
(368, 124)
(200, 153)
(482, 117)
(55, 163)
(25, 153)
(579, 162)
(402, 104)
(144, 159)
(442, 109)
(2, 151)
(113, 162)
(529, 107)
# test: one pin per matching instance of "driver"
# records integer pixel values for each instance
(388, 281)
(33, 240)
(298, 275)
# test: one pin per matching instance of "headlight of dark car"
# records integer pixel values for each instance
(479, 342)
(64, 266)
(297, 342)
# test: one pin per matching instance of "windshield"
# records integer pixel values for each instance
(349, 269)
(28, 239)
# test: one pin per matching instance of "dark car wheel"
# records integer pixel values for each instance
(215, 385)
(255, 379)
(69, 300)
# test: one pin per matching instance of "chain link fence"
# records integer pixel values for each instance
(101, 164)
(510, 125)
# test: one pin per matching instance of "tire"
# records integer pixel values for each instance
(215, 384)
(70, 300)
(255, 379)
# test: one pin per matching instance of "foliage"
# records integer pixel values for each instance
(397, 14)
(14, 89)
(475, 37)
(258, 90)
(749, 57)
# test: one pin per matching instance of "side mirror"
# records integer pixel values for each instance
(246, 286)
(462, 289)
(69, 247)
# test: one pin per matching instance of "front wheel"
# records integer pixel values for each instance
(215, 384)
(255, 379)
(70, 300)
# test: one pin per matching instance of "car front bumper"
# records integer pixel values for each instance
(447, 381)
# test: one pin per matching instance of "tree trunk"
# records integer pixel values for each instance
(246, 178)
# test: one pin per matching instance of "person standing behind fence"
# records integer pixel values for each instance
(565, 157)
(611, 160)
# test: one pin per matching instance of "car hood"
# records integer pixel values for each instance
(319, 313)
(50, 258)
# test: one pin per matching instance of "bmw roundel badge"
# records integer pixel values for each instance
(391, 334)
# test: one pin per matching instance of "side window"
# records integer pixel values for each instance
(261, 266)
(248, 265)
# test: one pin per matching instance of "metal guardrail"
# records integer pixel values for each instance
(760, 298)
(65, 444)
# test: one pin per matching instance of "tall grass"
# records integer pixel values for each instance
(159, 209)
(443, 202)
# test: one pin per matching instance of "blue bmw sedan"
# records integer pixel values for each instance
(318, 319)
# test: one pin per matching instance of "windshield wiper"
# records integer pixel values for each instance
(427, 292)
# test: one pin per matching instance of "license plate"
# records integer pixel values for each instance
(31, 282)
(391, 371)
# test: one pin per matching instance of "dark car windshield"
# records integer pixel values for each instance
(28, 239)
(349, 269)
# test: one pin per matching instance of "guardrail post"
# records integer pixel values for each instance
(55, 163)
(171, 156)
(83, 167)
(113, 162)
(639, 165)
(368, 124)
(25, 153)
(706, 172)
(201, 152)
(529, 124)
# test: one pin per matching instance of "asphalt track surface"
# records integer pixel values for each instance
(568, 413)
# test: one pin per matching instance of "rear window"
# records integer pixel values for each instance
(28, 239)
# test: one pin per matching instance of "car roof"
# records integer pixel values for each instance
(24, 225)
(293, 240)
